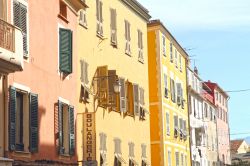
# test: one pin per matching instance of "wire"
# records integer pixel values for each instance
(242, 90)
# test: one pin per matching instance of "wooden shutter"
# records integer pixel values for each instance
(33, 122)
(60, 126)
(136, 99)
(71, 131)
(112, 95)
(12, 118)
(113, 26)
(102, 85)
(65, 44)
(142, 99)
(20, 20)
(97, 10)
(122, 95)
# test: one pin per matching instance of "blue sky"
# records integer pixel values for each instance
(218, 33)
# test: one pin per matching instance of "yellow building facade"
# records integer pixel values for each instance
(113, 110)
(168, 98)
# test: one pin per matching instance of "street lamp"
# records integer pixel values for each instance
(117, 86)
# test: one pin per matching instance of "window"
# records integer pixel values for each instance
(118, 154)
(171, 52)
(65, 51)
(167, 124)
(205, 110)
(216, 96)
(176, 58)
(165, 86)
(164, 45)
(23, 121)
(177, 158)
(140, 46)
(169, 158)
(113, 27)
(180, 62)
(127, 38)
(66, 129)
(99, 27)
(20, 20)
(132, 161)
(63, 10)
(172, 87)
(83, 18)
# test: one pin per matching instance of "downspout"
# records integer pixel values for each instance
(5, 103)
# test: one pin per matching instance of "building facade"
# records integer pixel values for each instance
(11, 61)
(197, 125)
(211, 136)
(112, 85)
(220, 100)
(40, 102)
(168, 98)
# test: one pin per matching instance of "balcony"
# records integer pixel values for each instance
(11, 48)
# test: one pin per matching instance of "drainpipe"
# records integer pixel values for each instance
(5, 103)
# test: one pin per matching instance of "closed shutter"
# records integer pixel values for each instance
(97, 11)
(82, 71)
(129, 98)
(113, 26)
(180, 122)
(136, 99)
(168, 124)
(65, 42)
(122, 95)
(176, 121)
(60, 127)
(71, 131)
(33, 122)
(172, 84)
(20, 20)
(126, 30)
(140, 46)
(144, 151)
(165, 86)
(184, 125)
(12, 118)
(177, 158)
(102, 85)
(179, 93)
(100, 10)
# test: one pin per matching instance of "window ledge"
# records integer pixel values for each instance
(63, 18)
(65, 156)
(22, 154)
(84, 25)
(100, 36)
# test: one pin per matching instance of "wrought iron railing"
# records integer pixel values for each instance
(7, 36)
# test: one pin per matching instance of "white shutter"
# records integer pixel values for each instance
(113, 26)
(167, 123)
(142, 102)
(122, 95)
(136, 99)
(164, 45)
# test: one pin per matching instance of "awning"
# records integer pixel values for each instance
(120, 158)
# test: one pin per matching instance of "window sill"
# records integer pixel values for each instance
(113, 44)
(127, 53)
(84, 25)
(141, 61)
(63, 18)
(22, 154)
(100, 36)
(65, 156)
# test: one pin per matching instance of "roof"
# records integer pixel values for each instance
(235, 144)
(213, 85)
(137, 8)
(153, 23)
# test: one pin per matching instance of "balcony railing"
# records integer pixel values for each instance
(7, 36)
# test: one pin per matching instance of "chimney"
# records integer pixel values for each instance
(196, 70)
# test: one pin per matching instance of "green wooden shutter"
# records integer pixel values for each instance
(60, 127)
(33, 122)
(65, 42)
(71, 131)
(12, 118)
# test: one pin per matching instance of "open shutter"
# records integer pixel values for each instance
(122, 95)
(142, 101)
(136, 99)
(165, 86)
(102, 85)
(71, 131)
(60, 127)
(113, 26)
(33, 122)
(82, 71)
(97, 11)
(112, 95)
(178, 89)
(12, 118)
(65, 42)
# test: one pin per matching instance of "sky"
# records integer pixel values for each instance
(216, 35)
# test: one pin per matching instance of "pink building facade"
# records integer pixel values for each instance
(40, 102)
(221, 102)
